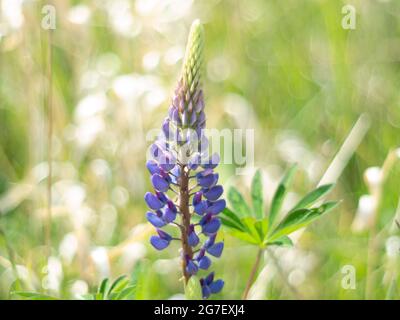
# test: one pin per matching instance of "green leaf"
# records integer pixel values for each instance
(118, 284)
(34, 295)
(127, 293)
(230, 224)
(328, 206)
(288, 177)
(139, 278)
(101, 293)
(282, 241)
(237, 202)
(250, 226)
(244, 237)
(300, 218)
(290, 223)
(313, 196)
(193, 289)
(232, 216)
(276, 204)
(262, 228)
(280, 193)
(257, 195)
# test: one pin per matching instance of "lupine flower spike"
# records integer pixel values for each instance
(186, 191)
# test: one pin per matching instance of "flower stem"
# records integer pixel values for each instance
(184, 209)
(252, 274)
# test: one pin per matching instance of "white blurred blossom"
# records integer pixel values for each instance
(120, 196)
(79, 288)
(79, 14)
(173, 55)
(365, 212)
(11, 15)
(132, 253)
(296, 277)
(108, 64)
(68, 247)
(218, 69)
(373, 177)
(8, 276)
(163, 10)
(240, 109)
(54, 275)
(393, 246)
(151, 60)
(107, 222)
(101, 261)
(293, 149)
(134, 86)
(121, 18)
(90, 106)
(101, 169)
(88, 115)
(166, 266)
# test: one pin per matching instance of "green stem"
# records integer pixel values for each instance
(252, 274)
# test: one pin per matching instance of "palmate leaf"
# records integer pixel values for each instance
(251, 230)
(257, 195)
(280, 193)
(250, 225)
(300, 218)
(238, 203)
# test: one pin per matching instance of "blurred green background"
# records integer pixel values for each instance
(288, 69)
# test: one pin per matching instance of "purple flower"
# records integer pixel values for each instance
(152, 201)
(217, 206)
(152, 166)
(210, 224)
(207, 180)
(213, 193)
(193, 239)
(159, 183)
(155, 220)
(201, 207)
(169, 215)
(180, 161)
(161, 241)
(212, 162)
(191, 267)
(162, 197)
(208, 285)
(204, 263)
(216, 286)
(216, 249)
(197, 198)
(206, 291)
(210, 241)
